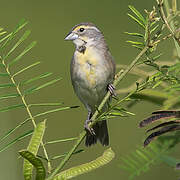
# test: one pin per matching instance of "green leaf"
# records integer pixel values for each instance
(6, 85)
(2, 65)
(107, 156)
(31, 90)
(4, 74)
(26, 68)
(138, 47)
(7, 96)
(123, 110)
(13, 129)
(3, 32)
(63, 155)
(138, 14)
(45, 104)
(20, 25)
(134, 34)
(28, 48)
(147, 33)
(33, 147)
(116, 114)
(154, 29)
(157, 57)
(129, 164)
(4, 38)
(44, 75)
(171, 161)
(134, 42)
(11, 107)
(23, 37)
(47, 84)
(16, 140)
(142, 155)
(174, 67)
(61, 140)
(141, 160)
(157, 84)
(136, 20)
(36, 162)
(27, 120)
(53, 110)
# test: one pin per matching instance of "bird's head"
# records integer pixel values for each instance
(84, 34)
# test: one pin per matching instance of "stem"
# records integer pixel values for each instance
(120, 75)
(163, 17)
(27, 108)
(174, 6)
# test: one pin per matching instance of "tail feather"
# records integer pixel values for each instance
(101, 132)
(103, 136)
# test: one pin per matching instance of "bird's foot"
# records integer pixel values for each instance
(89, 129)
(111, 89)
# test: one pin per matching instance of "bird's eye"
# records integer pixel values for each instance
(81, 29)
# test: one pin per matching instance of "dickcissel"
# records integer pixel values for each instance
(92, 74)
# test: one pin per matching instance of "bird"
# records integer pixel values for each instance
(92, 70)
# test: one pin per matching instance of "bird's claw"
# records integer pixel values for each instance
(89, 129)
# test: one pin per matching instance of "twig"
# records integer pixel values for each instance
(120, 75)
(163, 17)
(174, 6)
(142, 73)
(166, 5)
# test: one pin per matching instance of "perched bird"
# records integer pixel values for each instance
(92, 74)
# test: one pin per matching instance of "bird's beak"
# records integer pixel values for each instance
(71, 36)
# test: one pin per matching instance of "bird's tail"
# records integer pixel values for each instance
(101, 134)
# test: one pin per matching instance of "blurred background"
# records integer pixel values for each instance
(49, 22)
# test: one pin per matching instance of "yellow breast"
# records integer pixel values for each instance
(88, 62)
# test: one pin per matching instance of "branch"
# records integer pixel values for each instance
(120, 75)
(163, 17)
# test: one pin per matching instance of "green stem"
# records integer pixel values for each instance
(174, 8)
(170, 26)
(82, 135)
(27, 108)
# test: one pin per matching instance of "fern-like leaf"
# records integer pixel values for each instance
(139, 17)
(22, 38)
(34, 89)
(36, 162)
(24, 135)
(2, 32)
(9, 37)
(28, 48)
(8, 108)
(41, 76)
(26, 68)
(33, 148)
(142, 159)
(107, 156)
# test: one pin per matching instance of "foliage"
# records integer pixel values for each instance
(36, 162)
(107, 156)
(142, 159)
(160, 86)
